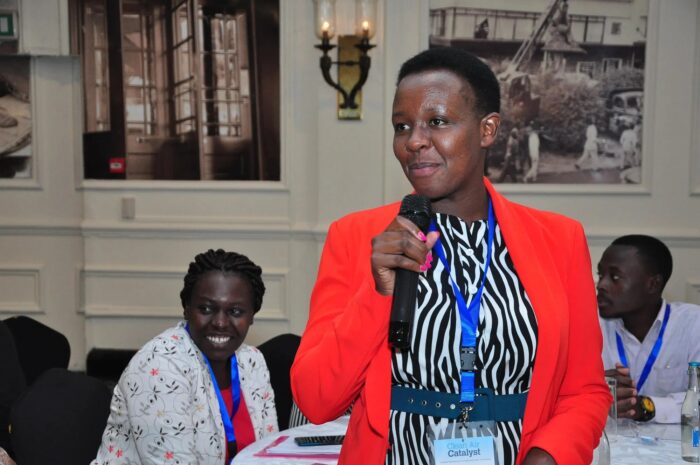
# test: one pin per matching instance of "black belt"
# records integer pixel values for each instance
(486, 406)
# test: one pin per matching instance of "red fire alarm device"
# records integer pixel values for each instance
(117, 165)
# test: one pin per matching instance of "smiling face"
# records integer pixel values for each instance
(438, 137)
(625, 286)
(219, 313)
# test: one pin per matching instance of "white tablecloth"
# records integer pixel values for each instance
(635, 444)
(247, 456)
(646, 444)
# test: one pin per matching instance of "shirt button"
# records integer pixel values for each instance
(470, 252)
(472, 289)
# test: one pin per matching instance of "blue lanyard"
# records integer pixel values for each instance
(469, 316)
(235, 393)
(652, 356)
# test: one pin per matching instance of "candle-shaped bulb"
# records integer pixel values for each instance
(324, 18)
(365, 29)
(365, 18)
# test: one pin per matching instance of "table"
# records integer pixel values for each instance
(646, 444)
(247, 456)
(635, 444)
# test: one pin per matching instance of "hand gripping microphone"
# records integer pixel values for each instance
(415, 208)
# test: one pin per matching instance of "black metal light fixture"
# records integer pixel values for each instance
(353, 61)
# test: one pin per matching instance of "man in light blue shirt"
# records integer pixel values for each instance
(647, 342)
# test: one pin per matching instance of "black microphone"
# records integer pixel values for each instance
(415, 208)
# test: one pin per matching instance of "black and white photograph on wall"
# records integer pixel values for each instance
(572, 84)
(15, 118)
(179, 89)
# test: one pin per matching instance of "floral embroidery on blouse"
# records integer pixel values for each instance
(164, 409)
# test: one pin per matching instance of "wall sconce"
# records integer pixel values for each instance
(353, 62)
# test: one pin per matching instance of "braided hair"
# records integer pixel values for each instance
(225, 262)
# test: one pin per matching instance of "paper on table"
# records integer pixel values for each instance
(285, 446)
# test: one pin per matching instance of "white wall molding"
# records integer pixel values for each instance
(651, 84)
(180, 228)
(126, 186)
(78, 124)
(39, 228)
(695, 117)
(79, 289)
(44, 27)
(286, 82)
(680, 238)
(692, 291)
(30, 184)
(108, 291)
(39, 162)
(274, 229)
(96, 312)
(21, 289)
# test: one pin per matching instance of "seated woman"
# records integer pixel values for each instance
(196, 393)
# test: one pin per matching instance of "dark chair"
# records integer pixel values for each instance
(279, 354)
(11, 381)
(59, 420)
(38, 346)
(108, 364)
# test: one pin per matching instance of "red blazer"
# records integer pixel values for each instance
(344, 355)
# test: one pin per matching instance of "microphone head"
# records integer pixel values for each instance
(416, 208)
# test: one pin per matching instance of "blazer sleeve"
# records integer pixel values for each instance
(581, 407)
(348, 324)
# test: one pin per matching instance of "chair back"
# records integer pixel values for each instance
(11, 381)
(108, 364)
(279, 353)
(59, 420)
(38, 346)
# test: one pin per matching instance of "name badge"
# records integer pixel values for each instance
(472, 451)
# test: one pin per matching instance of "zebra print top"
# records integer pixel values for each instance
(506, 338)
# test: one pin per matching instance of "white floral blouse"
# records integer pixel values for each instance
(165, 411)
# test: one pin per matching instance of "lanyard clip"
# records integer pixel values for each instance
(464, 414)
(467, 358)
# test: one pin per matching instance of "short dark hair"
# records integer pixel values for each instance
(225, 262)
(654, 253)
(465, 65)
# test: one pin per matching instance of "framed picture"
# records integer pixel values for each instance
(15, 118)
(179, 90)
(572, 80)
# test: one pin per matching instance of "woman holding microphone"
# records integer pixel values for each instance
(505, 347)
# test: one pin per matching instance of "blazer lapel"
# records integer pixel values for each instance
(538, 275)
